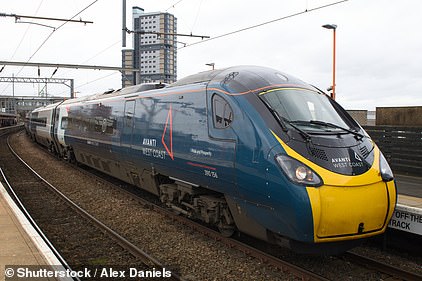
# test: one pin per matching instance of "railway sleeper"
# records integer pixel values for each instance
(199, 203)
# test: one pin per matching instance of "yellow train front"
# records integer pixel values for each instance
(321, 185)
(345, 206)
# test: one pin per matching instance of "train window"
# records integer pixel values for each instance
(65, 123)
(42, 122)
(222, 112)
(129, 113)
(98, 124)
(108, 126)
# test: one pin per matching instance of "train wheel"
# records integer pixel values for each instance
(69, 156)
(51, 148)
(226, 230)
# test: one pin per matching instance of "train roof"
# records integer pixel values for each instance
(242, 78)
(235, 79)
(50, 106)
(200, 77)
(123, 91)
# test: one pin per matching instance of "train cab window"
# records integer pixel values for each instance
(222, 112)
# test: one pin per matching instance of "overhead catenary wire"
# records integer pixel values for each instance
(49, 36)
(197, 15)
(97, 79)
(52, 32)
(26, 31)
(54, 29)
(85, 61)
(264, 23)
(172, 6)
(24, 35)
(91, 81)
(103, 77)
(96, 55)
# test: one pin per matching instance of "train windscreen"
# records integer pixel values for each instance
(308, 109)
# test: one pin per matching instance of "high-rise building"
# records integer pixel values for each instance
(154, 50)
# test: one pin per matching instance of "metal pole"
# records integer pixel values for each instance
(333, 27)
(13, 84)
(124, 23)
(334, 64)
(72, 91)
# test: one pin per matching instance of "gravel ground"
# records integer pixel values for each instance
(197, 257)
(405, 261)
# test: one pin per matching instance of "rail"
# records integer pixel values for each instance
(382, 267)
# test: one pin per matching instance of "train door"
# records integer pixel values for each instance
(128, 122)
(62, 125)
(57, 133)
(222, 141)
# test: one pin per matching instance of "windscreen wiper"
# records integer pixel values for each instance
(282, 120)
(276, 115)
(327, 124)
(304, 134)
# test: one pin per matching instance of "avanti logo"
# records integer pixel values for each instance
(357, 157)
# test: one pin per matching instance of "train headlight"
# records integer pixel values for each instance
(301, 173)
(298, 172)
(385, 170)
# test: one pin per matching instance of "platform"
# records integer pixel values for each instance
(20, 244)
(409, 185)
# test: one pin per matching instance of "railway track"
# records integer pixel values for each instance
(382, 267)
(38, 183)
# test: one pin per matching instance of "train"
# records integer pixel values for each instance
(245, 149)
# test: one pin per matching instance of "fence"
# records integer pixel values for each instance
(402, 146)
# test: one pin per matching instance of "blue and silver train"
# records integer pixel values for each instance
(246, 148)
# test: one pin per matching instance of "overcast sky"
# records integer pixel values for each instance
(379, 43)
